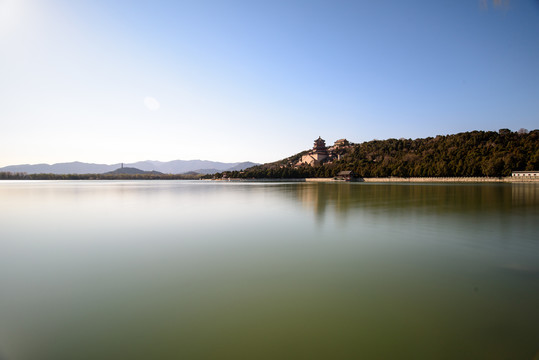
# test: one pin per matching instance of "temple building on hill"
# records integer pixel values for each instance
(341, 143)
(320, 153)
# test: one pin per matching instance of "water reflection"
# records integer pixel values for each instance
(194, 270)
(525, 194)
(480, 217)
(427, 198)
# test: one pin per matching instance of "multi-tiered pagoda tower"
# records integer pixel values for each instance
(317, 155)
(320, 147)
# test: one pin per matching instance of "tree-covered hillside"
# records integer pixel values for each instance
(476, 153)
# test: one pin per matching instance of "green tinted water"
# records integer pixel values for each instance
(205, 270)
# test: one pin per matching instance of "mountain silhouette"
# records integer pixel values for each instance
(168, 167)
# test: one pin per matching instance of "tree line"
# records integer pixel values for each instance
(467, 154)
(24, 176)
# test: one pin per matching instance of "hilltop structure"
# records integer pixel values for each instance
(132, 171)
(341, 143)
(321, 154)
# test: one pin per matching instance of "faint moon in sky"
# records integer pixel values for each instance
(151, 103)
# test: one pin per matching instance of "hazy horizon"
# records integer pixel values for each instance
(122, 81)
(200, 160)
(131, 163)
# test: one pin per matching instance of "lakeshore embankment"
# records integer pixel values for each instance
(451, 179)
(508, 179)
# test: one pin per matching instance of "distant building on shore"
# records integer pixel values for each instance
(346, 175)
(529, 173)
(321, 154)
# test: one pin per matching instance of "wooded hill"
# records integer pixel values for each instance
(475, 153)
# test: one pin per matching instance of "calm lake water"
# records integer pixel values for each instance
(205, 270)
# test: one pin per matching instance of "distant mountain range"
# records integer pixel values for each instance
(169, 167)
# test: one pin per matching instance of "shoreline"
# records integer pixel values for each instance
(507, 179)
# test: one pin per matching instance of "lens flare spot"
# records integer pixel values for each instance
(151, 103)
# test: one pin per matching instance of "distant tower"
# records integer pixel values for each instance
(317, 155)
(320, 147)
(122, 165)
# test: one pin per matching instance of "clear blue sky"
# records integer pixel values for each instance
(111, 81)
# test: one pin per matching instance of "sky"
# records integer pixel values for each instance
(109, 81)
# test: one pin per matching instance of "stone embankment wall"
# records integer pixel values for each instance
(435, 179)
(522, 179)
(319, 179)
(452, 179)
(398, 179)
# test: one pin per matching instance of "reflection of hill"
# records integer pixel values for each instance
(525, 194)
(417, 198)
(320, 196)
